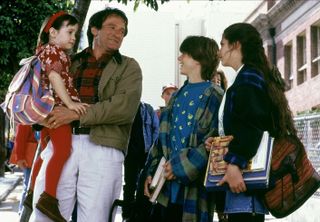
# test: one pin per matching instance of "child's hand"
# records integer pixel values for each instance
(80, 108)
(22, 164)
(169, 175)
(233, 177)
(147, 183)
(208, 143)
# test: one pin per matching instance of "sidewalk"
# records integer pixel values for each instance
(10, 193)
(8, 183)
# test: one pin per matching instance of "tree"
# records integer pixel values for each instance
(20, 22)
(150, 3)
(80, 11)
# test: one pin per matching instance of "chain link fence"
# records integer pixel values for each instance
(308, 128)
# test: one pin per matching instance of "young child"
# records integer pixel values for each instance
(189, 118)
(57, 36)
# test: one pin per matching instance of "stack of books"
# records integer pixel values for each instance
(256, 175)
(158, 181)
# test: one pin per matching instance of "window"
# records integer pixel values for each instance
(315, 50)
(301, 59)
(288, 75)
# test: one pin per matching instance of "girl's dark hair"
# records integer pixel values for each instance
(205, 51)
(224, 81)
(253, 55)
(98, 19)
(43, 37)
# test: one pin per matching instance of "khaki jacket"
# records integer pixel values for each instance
(119, 94)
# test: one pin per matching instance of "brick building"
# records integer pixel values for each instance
(291, 33)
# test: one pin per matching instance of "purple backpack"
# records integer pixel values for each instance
(26, 101)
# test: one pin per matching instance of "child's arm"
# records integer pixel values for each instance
(60, 89)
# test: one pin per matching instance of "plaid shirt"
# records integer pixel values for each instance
(88, 76)
(189, 166)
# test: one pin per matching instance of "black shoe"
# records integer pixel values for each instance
(49, 206)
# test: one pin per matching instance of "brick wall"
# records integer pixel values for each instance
(303, 96)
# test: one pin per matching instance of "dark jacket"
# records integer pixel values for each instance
(247, 113)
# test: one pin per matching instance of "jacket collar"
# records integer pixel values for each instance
(117, 57)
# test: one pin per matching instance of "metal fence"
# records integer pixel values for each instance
(308, 128)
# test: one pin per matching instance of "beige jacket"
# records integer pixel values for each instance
(119, 94)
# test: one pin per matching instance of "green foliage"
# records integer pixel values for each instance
(150, 3)
(20, 22)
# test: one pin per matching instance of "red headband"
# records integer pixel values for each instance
(52, 19)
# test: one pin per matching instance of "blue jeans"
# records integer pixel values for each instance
(244, 203)
(26, 176)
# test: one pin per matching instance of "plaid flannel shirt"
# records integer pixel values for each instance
(189, 167)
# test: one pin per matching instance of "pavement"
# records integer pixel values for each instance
(10, 193)
(8, 183)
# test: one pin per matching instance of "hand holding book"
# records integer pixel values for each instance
(232, 174)
(153, 185)
(219, 148)
(255, 176)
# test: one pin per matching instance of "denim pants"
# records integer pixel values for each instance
(26, 177)
(244, 203)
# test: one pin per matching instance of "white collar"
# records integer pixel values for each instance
(239, 69)
(231, 80)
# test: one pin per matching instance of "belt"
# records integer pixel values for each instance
(80, 130)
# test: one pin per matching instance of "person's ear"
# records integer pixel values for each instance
(53, 32)
(94, 31)
(237, 45)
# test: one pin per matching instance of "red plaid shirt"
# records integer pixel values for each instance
(87, 77)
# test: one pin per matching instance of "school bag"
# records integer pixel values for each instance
(26, 101)
(294, 177)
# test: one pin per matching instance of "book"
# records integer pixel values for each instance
(158, 181)
(256, 175)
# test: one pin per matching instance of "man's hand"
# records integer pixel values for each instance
(61, 116)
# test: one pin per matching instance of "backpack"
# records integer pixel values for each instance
(26, 102)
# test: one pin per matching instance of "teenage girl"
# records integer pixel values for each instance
(254, 103)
